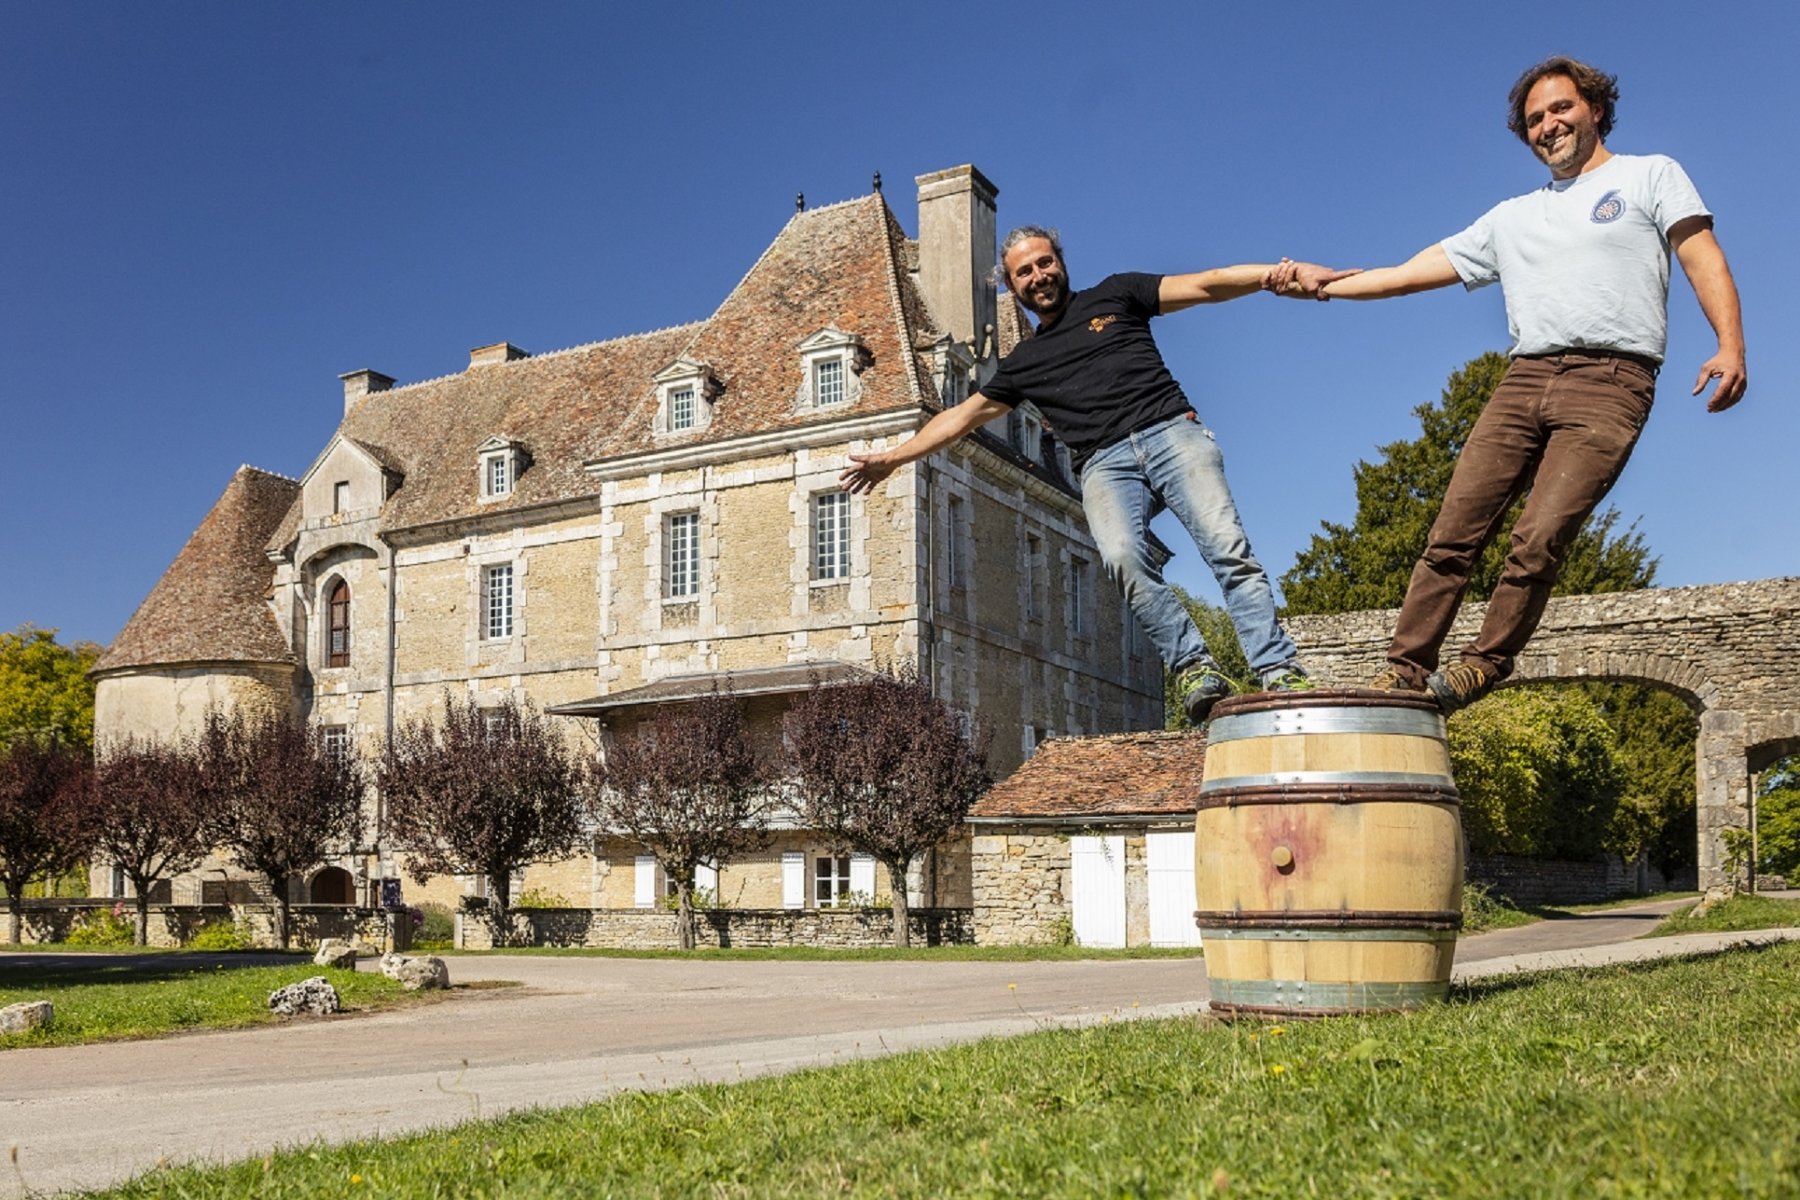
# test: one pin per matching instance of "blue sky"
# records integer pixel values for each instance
(210, 211)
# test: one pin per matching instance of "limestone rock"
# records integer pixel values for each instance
(336, 953)
(315, 995)
(416, 971)
(33, 1014)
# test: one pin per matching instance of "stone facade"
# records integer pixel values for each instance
(1726, 649)
(1023, 881)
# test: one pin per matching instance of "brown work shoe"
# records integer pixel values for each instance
(1391, 680)
(1459, 685)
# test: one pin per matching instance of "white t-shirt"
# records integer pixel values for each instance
(1584, 262)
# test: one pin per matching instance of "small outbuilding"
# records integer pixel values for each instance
(1091, 839)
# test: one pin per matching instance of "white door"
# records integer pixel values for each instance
(1097, 887)
(1170, 859)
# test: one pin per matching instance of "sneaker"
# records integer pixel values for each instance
(1200, 687)
(1391, 680)
(1290, 678)
(1459, 686)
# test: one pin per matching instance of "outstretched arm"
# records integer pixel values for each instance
(1429, 268)
(867, 470)
(1703, 261)
(1228, 283)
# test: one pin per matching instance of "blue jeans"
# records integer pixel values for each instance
(1177, 465)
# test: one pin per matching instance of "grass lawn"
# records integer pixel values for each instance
(1678, 1078)
(1741, 912)
(168, 994)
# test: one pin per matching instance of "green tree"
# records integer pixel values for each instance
(1367, 563)
(1654, 737)
(44, 688)
(1539, 773)
(1778, 819)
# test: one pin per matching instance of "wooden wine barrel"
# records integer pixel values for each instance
(1328, 853)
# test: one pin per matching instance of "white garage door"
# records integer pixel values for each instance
(1097, 881)
(1170, 859)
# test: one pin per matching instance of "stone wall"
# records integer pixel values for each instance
(654, 928)
(1021, 887)
(172, 925)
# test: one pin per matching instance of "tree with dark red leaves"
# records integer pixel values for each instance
(486, 791)
(887, 768)
(45, 789)
(150, 814)
(281, 800)
(687, 783)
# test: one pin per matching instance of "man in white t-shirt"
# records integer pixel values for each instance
(1584, 264)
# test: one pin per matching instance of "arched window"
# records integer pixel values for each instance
(337, 646)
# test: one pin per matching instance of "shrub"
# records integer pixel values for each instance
(541, 898)
(102, 927)
(1482, 910)
(219, 935)
(438, 927)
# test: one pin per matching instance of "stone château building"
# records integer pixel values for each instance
(628, 522)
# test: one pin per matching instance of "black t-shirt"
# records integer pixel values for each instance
(1096, 374)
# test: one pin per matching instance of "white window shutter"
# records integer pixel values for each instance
(862, 874)
(644, 883)
(793, 879)
(706, 877)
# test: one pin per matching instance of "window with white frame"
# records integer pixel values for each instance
(337, 741)
(831, 536)
(681, 408)
(956, 383)
(497, 601)
(1032, 443)
(828, 382)
(1078, 597)
(831, 879)
(681, 556)
(499, 475)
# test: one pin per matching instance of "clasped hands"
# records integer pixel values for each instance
(1302, 281)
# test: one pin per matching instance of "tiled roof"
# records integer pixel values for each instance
(211, 605)
(840, 265)
(1115, 775)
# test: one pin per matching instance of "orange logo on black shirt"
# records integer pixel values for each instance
(1099, 323)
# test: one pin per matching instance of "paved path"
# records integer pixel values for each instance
(582, 1028)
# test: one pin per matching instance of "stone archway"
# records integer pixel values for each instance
(1729, 650)
(333, 885)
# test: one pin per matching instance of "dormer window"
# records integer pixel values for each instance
(952, 366)
(831, 366)
(685, 393)
(500, 461)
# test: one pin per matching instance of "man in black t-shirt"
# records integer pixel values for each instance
(1095, 372)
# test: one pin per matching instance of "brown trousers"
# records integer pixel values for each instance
(1563, 426)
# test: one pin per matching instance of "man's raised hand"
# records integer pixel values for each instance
(866, 471)
(1303, 281)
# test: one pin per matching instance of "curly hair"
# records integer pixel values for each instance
(1599, 89)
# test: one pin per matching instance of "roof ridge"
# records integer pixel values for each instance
(242, 467)
(889, 223)
(548, 354)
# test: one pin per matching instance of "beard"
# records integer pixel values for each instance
(1053, 298)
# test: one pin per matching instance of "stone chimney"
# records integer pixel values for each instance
(358, 384)
(499, 352)
(957, 238)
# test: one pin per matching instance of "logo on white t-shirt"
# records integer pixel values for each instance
(1608, 208)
